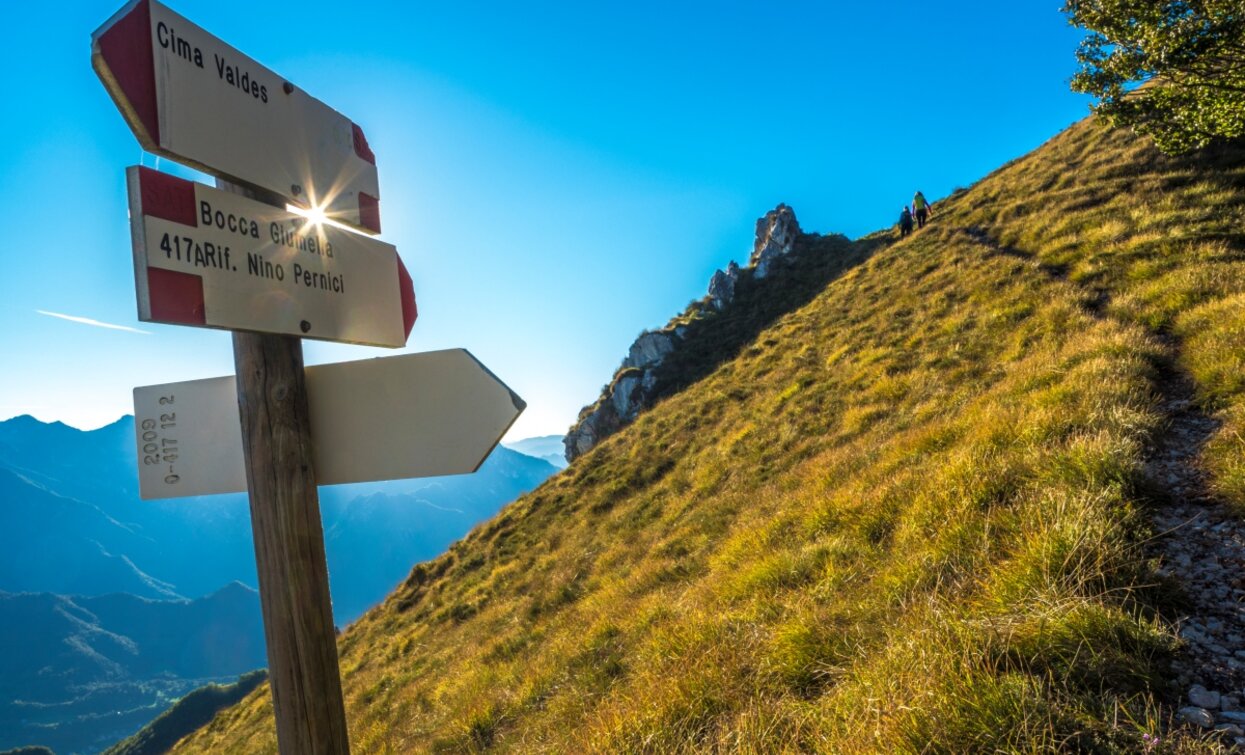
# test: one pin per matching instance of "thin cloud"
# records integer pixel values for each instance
(95, 323)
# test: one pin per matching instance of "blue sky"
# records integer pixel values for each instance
(557, 176)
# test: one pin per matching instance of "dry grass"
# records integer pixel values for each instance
(905, 518)
(1164, 236)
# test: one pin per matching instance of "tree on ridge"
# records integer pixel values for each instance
(1174, 69)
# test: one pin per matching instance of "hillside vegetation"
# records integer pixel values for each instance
(186, 715)
(907, 517)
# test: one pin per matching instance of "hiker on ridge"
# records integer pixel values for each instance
(921, 208)
(905, 222)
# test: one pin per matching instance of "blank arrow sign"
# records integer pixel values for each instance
(415, 415)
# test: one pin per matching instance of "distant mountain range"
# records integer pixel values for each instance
(547, 447)
(121, 605)
(71, 521)
(78, 673)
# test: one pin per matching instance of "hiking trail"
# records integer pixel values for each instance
(1198, 542)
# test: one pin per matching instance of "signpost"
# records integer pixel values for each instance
(190, 97)
(370, 420)
(213, 258)
(289, 546)
(235, 258)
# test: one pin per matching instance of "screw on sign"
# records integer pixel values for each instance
(234, 258)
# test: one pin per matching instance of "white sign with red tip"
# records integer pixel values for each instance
(215, 259)
(414, 415)
(190, 97)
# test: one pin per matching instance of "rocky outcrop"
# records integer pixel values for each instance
(637, 380)
(649, 349)
(722, 287)
(776, 236)
(619, 404)
(626, 395)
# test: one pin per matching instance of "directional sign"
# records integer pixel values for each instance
(212, 258)
(415, 415)
(190, 97)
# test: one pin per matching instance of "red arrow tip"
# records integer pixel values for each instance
(126, 50)
(409, 310)
(361, 147)
(369, 212)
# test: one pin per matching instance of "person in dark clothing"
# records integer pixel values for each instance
(921, 208)
(905, 223)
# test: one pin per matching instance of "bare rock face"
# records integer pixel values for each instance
(649, 349)
(722, 287)
(619, 404)
(776, 235)
(583, 436)
(626, 396)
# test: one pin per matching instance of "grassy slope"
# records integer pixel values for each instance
(189, 713)
(1163, 237)
(905, 518)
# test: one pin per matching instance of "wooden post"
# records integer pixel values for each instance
(289, 541)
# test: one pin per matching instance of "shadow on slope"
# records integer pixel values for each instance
(713, 337)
